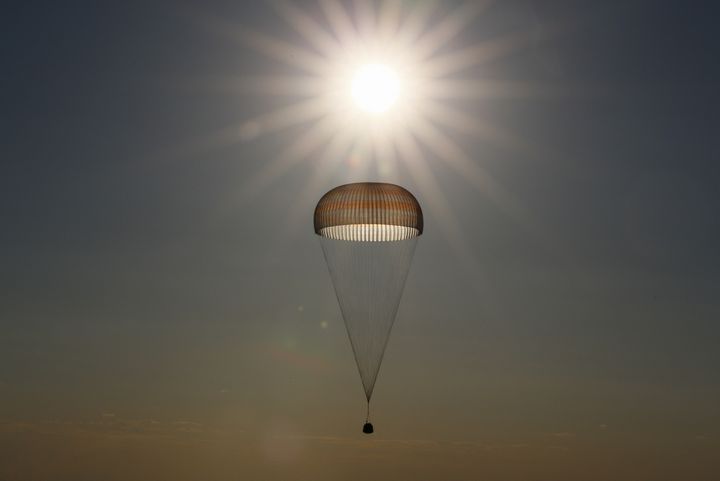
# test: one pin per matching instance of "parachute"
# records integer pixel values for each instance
(368, 233)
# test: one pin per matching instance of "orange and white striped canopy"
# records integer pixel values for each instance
(368, 211)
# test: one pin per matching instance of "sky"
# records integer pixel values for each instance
(165, 308)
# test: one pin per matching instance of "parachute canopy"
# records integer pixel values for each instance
(368, 233)
(368, 211)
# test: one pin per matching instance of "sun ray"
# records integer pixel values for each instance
(454, 156)
(327, 164)
(475, 55)
(412, 27)
(453, 23)
(192, 147)
(306, 26)
(285, 117)
(358, 162)
(339, 20)
(448, 150)
(389, 19)
(287, 53)
(468, 124)
(466, 89)
(385, 154)
(365, 18)
(272, 85)
(449, 225)
(337, 149)
(301, 148)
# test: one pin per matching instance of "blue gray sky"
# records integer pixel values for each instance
(166, 312)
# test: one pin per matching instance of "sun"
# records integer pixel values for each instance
(375, 88)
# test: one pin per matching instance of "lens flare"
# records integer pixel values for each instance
(375, 88)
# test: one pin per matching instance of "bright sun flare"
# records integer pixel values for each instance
(375, 88)
(403, 63)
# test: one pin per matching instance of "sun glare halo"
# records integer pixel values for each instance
(375, 88)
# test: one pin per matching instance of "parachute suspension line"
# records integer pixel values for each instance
(369, 268)
(367, 416)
